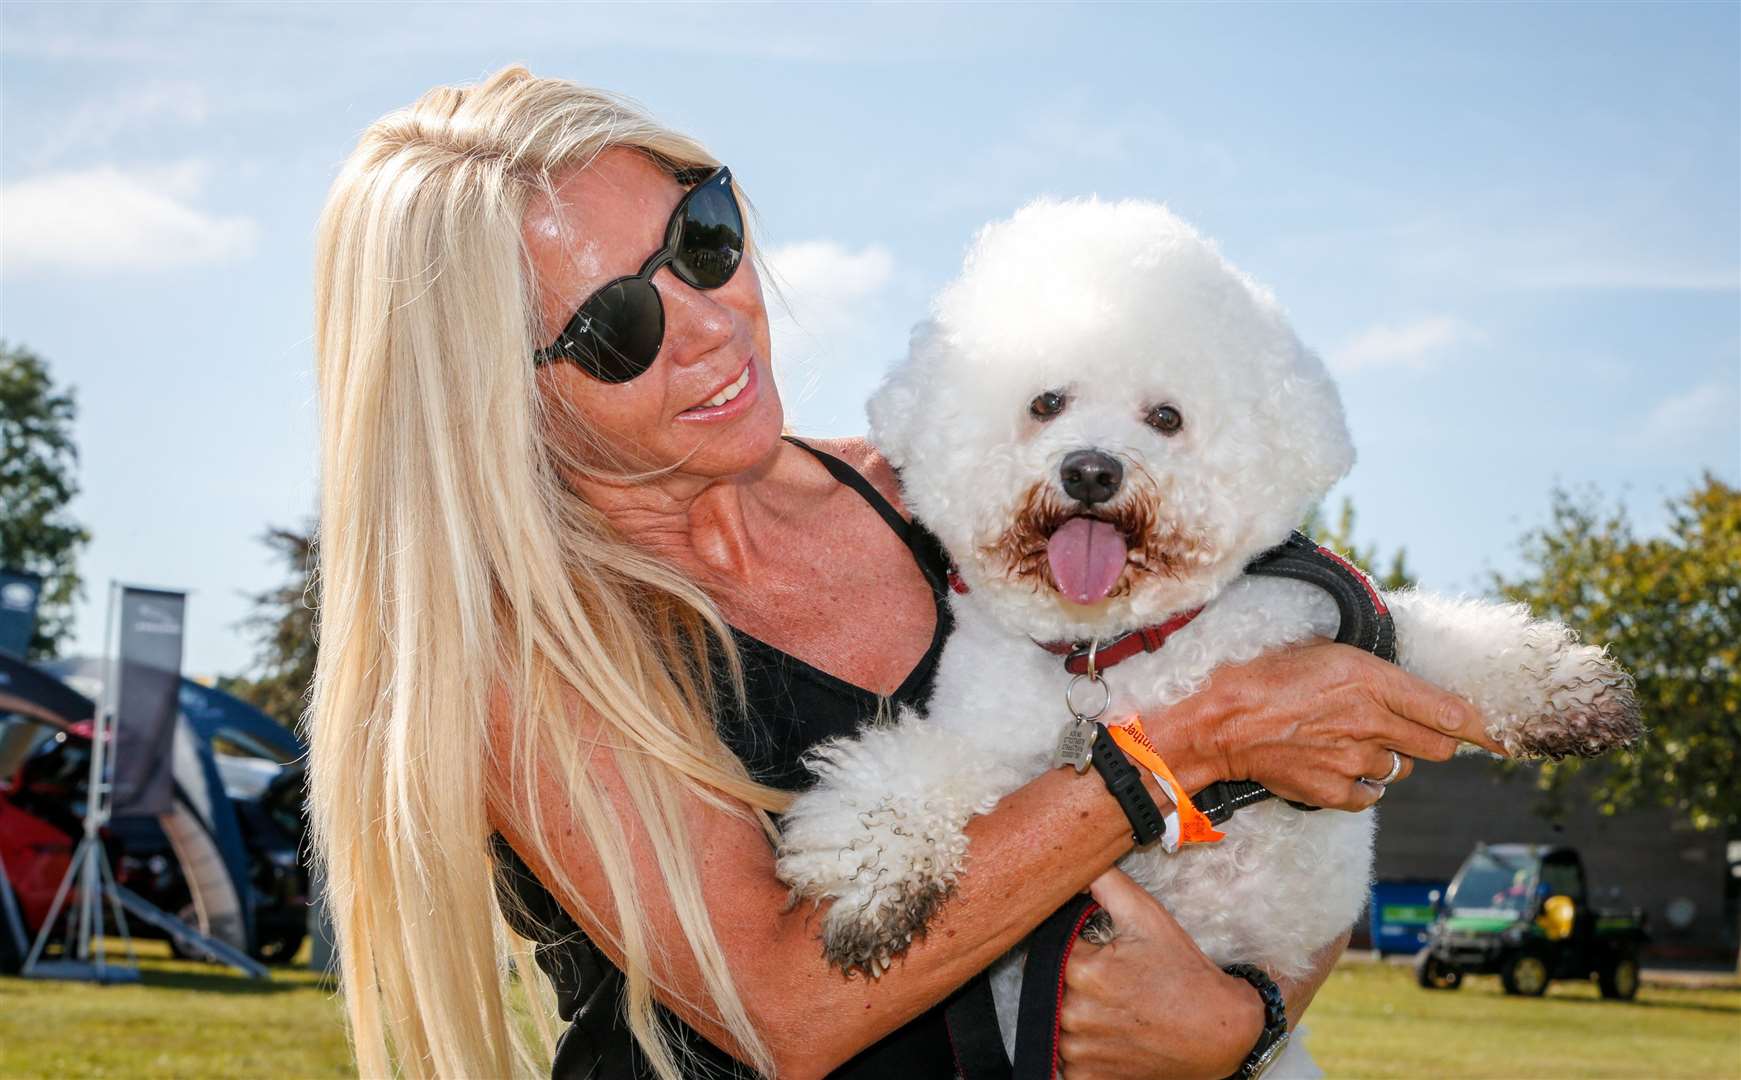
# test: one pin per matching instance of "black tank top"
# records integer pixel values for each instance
(791, 707)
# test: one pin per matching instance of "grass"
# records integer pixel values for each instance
(185, 1019)
(1370, 1020)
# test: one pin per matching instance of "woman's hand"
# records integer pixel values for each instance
(1311, 722)
(1150, 1004)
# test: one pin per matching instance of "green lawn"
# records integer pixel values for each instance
(192, 1020)
(184, 1020)
(1372, 1020)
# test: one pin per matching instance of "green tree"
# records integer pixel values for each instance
(1339, 537)
(1669, 608)
(38, 465)
(283, 626)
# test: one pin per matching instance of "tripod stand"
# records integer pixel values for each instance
(96, 878)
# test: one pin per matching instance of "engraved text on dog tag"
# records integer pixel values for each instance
(1074, 745)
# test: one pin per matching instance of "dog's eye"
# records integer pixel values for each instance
(1047, 405)
(1165, 419)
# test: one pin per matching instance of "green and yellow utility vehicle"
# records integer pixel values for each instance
(1523, 912)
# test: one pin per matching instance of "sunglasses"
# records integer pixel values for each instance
(615, 335)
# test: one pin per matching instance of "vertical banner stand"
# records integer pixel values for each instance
(90, 863)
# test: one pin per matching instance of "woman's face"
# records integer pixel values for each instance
(606, 220)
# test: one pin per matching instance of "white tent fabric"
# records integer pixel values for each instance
(191, 828)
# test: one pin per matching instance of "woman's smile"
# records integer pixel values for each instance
(729, 400)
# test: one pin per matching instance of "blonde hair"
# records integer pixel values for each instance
(457, 568)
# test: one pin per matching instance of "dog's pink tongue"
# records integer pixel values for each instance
(1087, 555)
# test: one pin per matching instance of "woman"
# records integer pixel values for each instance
(583, 607)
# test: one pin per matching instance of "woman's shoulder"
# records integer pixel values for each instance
(857, 451)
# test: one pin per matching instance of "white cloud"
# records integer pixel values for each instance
(827, 289)
(107, 219)
(98, 122)
(1409, 345)
(1680, 421)
(829, 314)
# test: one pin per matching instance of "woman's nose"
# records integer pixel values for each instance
(696, 322)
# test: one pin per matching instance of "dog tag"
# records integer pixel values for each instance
(1074, 746)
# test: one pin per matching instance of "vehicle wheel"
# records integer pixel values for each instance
(1524, 973)
(1618, 977)
(1434, 974)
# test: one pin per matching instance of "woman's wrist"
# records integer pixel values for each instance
(1185, 736)
(1244, 1017)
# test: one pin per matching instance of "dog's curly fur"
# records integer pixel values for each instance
(1118, 308)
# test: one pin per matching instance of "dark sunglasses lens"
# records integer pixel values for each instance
(616, 334)
(712, 243)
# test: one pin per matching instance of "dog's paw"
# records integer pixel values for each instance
(1587, 707)
(1099, 930)
(867, 928)
(885, 869)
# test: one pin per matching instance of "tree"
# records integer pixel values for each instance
(283, 625)
(38, 463)
(1340, 538)
(1669, 608)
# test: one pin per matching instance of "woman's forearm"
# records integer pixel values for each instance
(1041, 845)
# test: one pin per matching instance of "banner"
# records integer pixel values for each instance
(147, 701)
(19, 593)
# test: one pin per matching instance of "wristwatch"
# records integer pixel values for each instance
(1126, 784)
(1275, 1022)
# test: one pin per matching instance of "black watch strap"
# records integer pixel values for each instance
(1275, 1021)
(1126, 785)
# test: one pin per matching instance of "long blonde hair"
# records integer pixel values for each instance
(456, 569)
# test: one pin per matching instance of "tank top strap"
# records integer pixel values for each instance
(855, 480)
(927, 550)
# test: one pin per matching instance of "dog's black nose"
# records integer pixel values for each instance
(1090, 476)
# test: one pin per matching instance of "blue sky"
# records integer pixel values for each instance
(1515, 231)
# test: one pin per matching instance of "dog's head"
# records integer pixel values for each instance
(1103, 420)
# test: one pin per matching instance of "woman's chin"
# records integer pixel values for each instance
(726, 446)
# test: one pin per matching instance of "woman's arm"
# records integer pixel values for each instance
(1042, 844)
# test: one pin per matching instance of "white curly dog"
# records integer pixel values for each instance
(1114, 330)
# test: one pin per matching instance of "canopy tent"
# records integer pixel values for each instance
(202, 826)
(30, 691)
(217, 715)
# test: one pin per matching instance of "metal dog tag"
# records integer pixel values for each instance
(1074, 746)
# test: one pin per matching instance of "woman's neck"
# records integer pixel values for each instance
(720, 531)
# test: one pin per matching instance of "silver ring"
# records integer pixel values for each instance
(1070, 697)
(1389, 777)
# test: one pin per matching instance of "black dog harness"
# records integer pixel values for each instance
(1365, 623)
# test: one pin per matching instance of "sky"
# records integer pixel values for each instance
(1514, 232)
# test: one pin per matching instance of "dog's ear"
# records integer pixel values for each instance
(1323, 449)
(893, 408)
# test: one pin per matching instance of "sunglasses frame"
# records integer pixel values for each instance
(565, 346)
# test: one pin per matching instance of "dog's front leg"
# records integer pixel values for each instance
(881, 834)
(1543, 693)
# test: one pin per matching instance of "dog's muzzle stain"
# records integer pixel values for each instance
(1155, 545)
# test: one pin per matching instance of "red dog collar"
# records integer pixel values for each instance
(1146, 640)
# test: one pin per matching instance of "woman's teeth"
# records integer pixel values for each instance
(729, 392)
